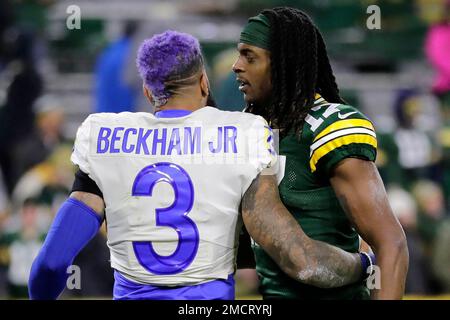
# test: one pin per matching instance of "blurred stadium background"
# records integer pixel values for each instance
(51, 78)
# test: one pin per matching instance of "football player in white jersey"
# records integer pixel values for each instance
(170, 185)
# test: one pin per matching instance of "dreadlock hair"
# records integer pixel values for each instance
(300, 68)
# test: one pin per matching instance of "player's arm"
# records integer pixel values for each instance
(361, 193)
(76, 223)
(271, 225)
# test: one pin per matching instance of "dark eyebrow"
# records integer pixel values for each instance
(246, 51)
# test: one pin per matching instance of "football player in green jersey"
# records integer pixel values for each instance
(331, 185)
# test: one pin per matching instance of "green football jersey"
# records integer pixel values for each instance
(331, 133)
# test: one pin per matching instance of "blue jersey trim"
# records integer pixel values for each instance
(173, 113)
(220, 289)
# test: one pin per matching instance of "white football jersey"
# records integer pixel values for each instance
(172, 188)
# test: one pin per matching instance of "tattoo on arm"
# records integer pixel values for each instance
(272, 226)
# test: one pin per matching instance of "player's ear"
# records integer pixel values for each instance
(147, 93)
(204, 84)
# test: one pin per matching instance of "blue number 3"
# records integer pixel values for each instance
(174, 216)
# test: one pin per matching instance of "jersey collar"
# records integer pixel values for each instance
(172, 113)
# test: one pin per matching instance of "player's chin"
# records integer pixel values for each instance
(254, 96)
(248, 97)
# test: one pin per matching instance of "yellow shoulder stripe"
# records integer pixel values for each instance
(338, 142)
(349, 123)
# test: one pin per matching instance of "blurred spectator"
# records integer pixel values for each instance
(17, 116)
(405, 209)
(432, 212)
(418, 152)
(430, 200)
(112, 92)
(48, 180)
(43, 140)
(20, 244)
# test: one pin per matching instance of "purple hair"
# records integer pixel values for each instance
(162, 56)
